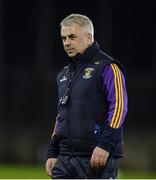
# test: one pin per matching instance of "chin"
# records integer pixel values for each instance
(71, 55)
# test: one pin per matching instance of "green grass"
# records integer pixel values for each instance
(38, 172)
(22, 172)
(129, 174)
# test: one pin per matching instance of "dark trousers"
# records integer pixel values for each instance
(78, 167)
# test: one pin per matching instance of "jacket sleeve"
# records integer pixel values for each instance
(116, 96)
(53, 148)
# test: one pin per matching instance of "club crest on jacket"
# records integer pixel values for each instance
(88, 73)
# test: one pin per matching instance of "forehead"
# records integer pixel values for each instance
(72, 29)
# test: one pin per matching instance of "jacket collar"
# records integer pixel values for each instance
(87, 55)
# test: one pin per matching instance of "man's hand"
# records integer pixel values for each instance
(99, 157)
(49, 165)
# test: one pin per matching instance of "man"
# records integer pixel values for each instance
(92, 105)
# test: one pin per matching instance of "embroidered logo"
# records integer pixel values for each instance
(66, 67)
(88, 73)
(97, 62)
(63, 79)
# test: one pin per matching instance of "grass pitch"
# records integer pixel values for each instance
(22, 172)
(11, 171)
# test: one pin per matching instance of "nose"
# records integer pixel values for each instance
(67, 41)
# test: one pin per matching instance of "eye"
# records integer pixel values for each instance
(72, 36)
(63, 38)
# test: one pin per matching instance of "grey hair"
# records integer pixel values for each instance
(81, 20)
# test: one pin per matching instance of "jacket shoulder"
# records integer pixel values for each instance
(62, 72)
(105, 60)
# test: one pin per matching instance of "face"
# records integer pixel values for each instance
(75, 39)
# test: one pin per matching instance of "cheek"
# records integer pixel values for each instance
(84, 44)
(80, 45)
(64, 47)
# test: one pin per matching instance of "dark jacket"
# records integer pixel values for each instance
(83, 107)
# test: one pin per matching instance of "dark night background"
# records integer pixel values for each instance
(31, 55)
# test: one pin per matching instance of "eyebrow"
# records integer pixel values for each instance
(71, 35)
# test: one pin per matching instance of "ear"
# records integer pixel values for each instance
(89, 38)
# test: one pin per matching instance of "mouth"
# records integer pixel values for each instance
(70, 50)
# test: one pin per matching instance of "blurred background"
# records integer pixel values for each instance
(31, 55)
